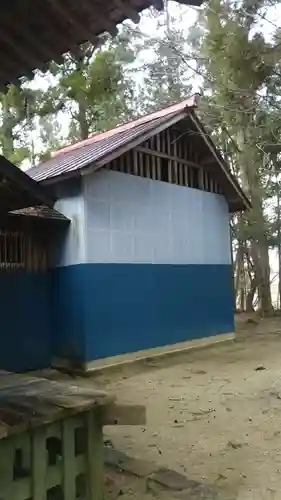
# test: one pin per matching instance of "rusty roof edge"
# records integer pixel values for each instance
(165, 122)
(186, 104)
(221, 161)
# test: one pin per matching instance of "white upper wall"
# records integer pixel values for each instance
(130, 219)
(72, 248)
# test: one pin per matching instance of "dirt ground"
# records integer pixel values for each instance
(214, 415)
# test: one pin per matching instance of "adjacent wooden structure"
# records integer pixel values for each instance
(51, 439)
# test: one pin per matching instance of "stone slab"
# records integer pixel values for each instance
(121, 461)
(170, 479)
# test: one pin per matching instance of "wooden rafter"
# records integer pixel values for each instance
(129, 11)
(102, 17)
(17, 49)
(42, 52)
(33, 33)
(73, 21)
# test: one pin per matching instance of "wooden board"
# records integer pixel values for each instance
(28, 401)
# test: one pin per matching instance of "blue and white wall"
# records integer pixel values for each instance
(67, 278)
(146, 263)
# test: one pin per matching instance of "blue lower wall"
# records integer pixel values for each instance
(90, 311)
(69, 287)
(107, 309)
(25, 320)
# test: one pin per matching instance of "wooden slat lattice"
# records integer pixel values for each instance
(20, 250)
(61, 461)
(168, 157)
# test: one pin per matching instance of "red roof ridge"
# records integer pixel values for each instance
(97, 136)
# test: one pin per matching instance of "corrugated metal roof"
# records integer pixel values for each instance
(77, 156)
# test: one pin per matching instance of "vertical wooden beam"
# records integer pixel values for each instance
(171, 166)
(158, 160)
(95, 476)
(39, 464)
(189, 148)
(69, 469)
(179, 148)
(147, 166)
(121, 165)
(186, 175)
(201, 179)
(141, 169)
(211, 184)
(178, 167)
(6, 468)
(129, 160)
(153, 167)
(135, 161)
(162, 140)
(23, 443)
(124, 162)
(181, 174)
(205, 180)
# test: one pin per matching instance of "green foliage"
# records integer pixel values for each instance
(243, 79)
(93, 88)
(90, 91)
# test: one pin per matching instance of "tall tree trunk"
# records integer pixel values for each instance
(278, 241)
(252, 184)
(238, 268)
(262, 272)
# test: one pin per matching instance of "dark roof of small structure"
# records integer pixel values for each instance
(18, 190)
(35, 32)
(41, 212)
(101, 148)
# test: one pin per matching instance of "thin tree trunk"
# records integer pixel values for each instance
(252, 184)
(262, 272)
(251, 295)
(278, 241)
(82, 120)
(238, 268)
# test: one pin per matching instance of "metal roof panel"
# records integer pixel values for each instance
(77, 156)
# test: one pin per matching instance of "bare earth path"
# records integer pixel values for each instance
(214, 415)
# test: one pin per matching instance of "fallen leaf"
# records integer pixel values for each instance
(234, 445)
(260, 368)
